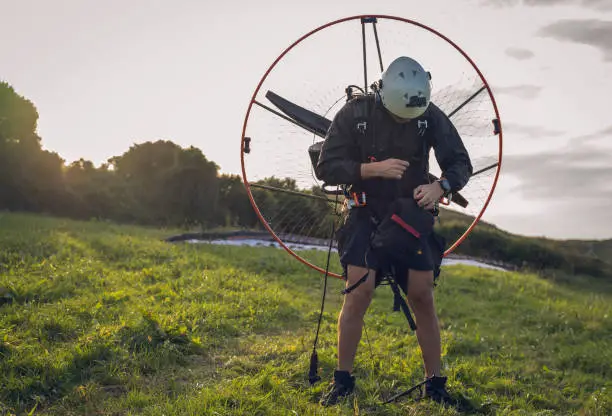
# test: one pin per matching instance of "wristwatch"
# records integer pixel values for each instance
(445, 185)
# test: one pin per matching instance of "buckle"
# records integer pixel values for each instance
(446, 200)
(355, 200)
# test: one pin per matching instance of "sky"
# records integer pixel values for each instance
(106, 75)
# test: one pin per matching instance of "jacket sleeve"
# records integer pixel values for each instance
(339, 162)
(450, 152)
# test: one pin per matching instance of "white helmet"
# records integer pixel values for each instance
(406, 88)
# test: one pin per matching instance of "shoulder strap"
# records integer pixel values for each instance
(362, 110)
(425, 129)
(363, 107)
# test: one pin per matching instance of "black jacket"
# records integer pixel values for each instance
(346, 147)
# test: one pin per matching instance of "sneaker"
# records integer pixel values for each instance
(342, 386)
(435, 389)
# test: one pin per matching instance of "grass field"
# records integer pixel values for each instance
(98, 319)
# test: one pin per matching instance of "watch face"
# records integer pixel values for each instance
(445, 185)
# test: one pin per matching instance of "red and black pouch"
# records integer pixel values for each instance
(405, 232)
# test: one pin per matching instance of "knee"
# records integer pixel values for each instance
(357, 301)
(420, 290)
(422, 298)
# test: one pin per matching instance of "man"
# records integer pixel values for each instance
(378, 145)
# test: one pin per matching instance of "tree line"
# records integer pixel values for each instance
(152, 183)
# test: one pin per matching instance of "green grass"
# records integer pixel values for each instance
(98, 319)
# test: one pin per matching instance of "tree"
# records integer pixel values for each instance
(30, 177)
(168, 184)
(234, 207)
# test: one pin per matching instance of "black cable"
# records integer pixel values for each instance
(378, 47)
(365, 65)
(313, 376)
(365, 330)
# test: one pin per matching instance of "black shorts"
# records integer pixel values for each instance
(353, 239)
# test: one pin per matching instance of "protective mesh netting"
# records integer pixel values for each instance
(314, 75)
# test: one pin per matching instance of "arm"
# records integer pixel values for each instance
(339, 162)
(369, 170)
(450, 151)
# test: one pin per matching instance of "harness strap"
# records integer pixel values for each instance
(402, 302)
(356, 285)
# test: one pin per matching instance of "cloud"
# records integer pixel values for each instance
(596, 138)
(525, 91)
(536, 132)
(519, 53)
(578, 173)
(592, 4)
(561, 220)
(592, 32)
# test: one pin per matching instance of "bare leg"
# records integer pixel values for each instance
(350, 321)
(420, 297)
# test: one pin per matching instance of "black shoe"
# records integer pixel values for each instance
(435, 389)
(342, 386)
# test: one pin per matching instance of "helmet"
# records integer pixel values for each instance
(405, 88)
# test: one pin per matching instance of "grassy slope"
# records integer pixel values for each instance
(102, 319)
(600, 249)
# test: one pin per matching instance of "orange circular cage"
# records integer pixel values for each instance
(245, 141)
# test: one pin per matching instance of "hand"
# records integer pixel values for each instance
(427, 195)
(391, 168)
